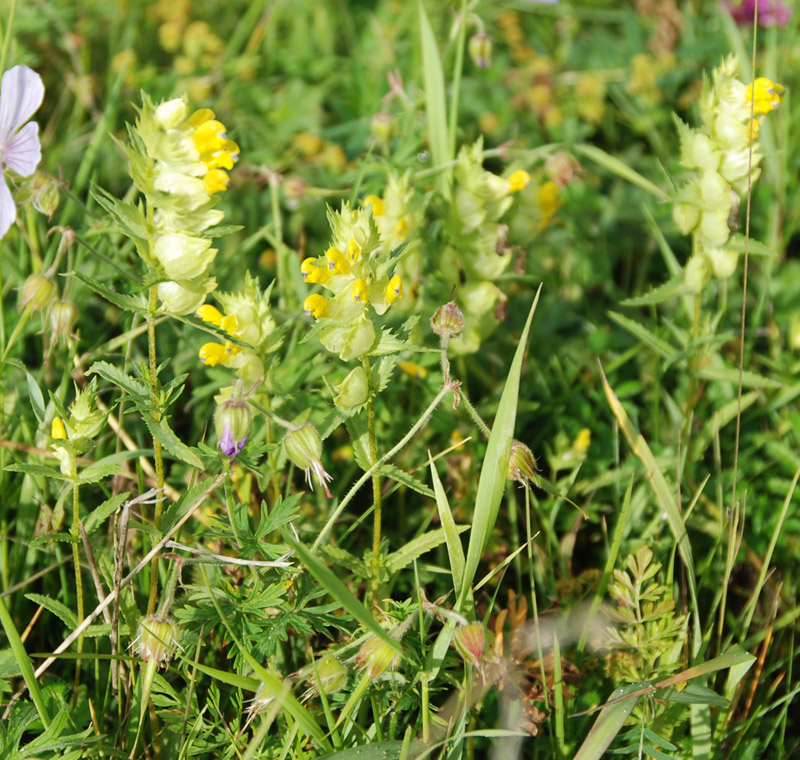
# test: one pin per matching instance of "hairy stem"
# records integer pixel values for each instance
(157, 453)
(376, 487)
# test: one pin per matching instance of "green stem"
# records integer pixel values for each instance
(76, 561)
(157, 452)
(376, 488)
(385, 458)
(457, 71)
(12, 15)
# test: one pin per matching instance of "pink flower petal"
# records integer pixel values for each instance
(23, 151)
(21, 93)
(8, 211)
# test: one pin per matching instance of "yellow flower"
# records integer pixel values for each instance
(353, 251)
(216, 151)
(337, 263)
(765, 95)
(216, 181)
(312, 273)
(413, 369)
(583, 439)
(377, 205)
(57, 431)
(213, 354)
(401, 228)
(359, 291)
(518, 181)
(394, 289)
(316, 305)
(209, 313)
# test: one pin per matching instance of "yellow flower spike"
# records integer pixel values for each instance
(337, 263)
(377, 205)
(316, 305)
(57, 430)
(765, 95)
(215, 181)
(353, 251)
(394, 289)
(230, 324)
(401, 228)
(359, 291)
(209, 136)
(413, 369)
(209, 313)
(313, 273)
(518, 181)
(212, 354)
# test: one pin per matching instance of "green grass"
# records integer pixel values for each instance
(635, 595)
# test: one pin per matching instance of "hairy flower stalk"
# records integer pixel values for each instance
(179, 163)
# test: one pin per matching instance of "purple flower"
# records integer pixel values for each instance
(228, 445)
(21, 93)
(770, 12)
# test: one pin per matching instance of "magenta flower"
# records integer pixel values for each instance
(21, 93)
(770, 12)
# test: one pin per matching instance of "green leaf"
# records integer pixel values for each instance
(718, 420)
(61, 611)
(341, 557)
(435, 102)
(731, 375)
(665, 497)
(378, 751)
(37, 469)
(668, 291)
(417, 547)
(359, 438)
(133, 386)
(125, 302)
(494, 470)
(162, 432)
(640, 332)
(608, 724)
(620, 168)
(405, 478)
(337, 589)
(455, 549)
(753, 247)
(694, 693)
(98, 515)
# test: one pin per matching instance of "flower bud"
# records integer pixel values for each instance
(44, 193)
(447, 321)
(303, 448)
(470, 641)
(332, 675)
(232, 421)
(686, 216)
(157, 639)
(171, 113)
(521, 464)
(353, 390)
(62, 316)
(721, 261)
(376, 657)
(382, 126)
(181, 298)
(696, 274)
(562, 168)
(37, 291)
(480, 50)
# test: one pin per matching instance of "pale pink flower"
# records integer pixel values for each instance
(21, 93)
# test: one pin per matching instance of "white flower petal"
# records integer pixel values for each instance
(21, 93)
(23, 151)
(8, 211)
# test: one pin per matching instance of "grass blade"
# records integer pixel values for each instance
(455, 549)
(494, 469)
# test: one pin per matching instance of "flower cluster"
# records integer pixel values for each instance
(246, 317)
(179, 162)
(476, 252)
(73, 436)
(357, 269)
(725, 153)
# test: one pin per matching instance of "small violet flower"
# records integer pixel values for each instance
(21, 94)
(770, 12)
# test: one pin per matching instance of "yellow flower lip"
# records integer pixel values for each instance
(212, 354)
(765, 95)
(376, 203)
(394, 289)
(312, 272)
(316, 306)
(353, 251)
(209, 313)
(337, 263)
(57, 430)
(359, 291)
